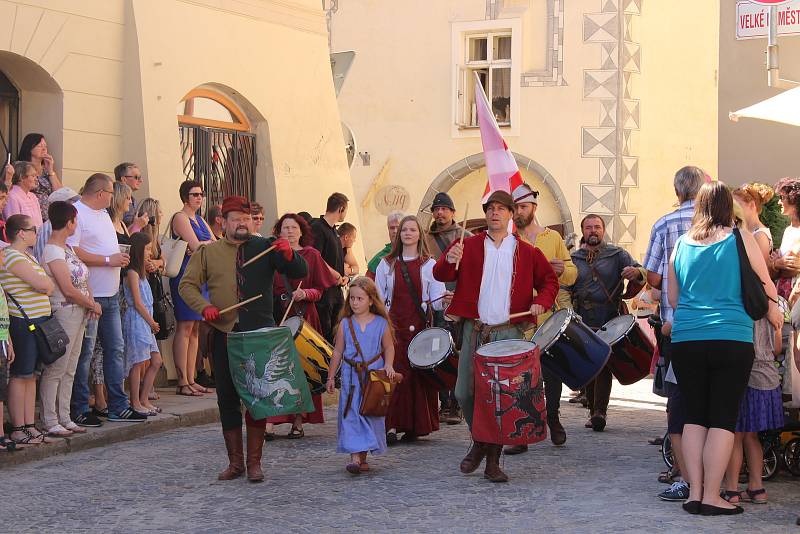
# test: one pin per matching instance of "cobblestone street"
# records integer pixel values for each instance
(596, 483)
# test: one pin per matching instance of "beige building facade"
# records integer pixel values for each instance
(250, 83)
(598, 100)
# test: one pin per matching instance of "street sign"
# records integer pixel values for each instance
(752, 19)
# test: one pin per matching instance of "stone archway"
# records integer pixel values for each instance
(455, 172)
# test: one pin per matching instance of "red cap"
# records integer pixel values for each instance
(230, 204)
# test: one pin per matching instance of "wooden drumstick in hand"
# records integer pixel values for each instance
(463, 231)
(259, 255)
(289, 307)
(230, 308)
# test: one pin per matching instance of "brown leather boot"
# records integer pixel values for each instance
(493, 472)
(557, 433)
(516, 449)
(233, 443)
(255, 445)
(473, 458)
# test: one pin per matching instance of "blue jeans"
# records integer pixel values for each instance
(109, 328)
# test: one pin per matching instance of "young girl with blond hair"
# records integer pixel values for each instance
(364, 336)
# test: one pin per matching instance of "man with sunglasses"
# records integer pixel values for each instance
(129, 174)
(95, 243)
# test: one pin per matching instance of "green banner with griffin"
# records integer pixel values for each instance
(265, 368)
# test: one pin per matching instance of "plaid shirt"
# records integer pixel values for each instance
(663, 239)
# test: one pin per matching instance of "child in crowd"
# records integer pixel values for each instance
(139, 327)
(365, 315)
(6, 357)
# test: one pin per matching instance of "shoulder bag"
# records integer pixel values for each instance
(173, 250)
(754, 296)
(376, 388)
(51, 338)
(163, 309)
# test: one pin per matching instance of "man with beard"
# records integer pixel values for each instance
(552, 246)
(392, 225)
(597, 296)
(219, 265)
(496, 277)
(443, 231)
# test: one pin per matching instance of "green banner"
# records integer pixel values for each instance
(266, 371)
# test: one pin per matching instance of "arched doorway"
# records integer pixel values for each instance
(218, 145)
(553, 210)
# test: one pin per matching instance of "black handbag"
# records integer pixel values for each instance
(51, 338)
(163, 309)
(754, 296)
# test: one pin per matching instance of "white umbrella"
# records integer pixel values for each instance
(784, 108)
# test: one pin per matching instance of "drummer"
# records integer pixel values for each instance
(597, 297)
(218, 265)
(299, 296)
(552, 246)
(406, 285)
(496, 276)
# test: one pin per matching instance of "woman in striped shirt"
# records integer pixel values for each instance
(28, 286)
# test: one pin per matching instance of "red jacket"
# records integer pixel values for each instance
(531, 271)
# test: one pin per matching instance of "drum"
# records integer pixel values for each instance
(632, 350)
(432, 353)
(509, 404)
(315, 352)
(571, 350)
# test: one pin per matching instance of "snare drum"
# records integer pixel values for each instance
(570, 349)
(632, 349)
(432, 353)
(509, 404)
(315, 352)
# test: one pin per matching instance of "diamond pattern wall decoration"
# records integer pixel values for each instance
(608, 171)
(600, 27)
(599, 142)
(597, 199)
(600, 84)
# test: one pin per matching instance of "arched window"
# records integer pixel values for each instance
(218, 148)
(9, 118)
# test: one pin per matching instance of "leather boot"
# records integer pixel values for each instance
(493, 472)
(516, 449)
(255, 444)
(598, 422)
(473, 458)
(233, 443)
(557, 433)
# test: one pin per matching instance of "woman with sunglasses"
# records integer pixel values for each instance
(27, 285)
(188, 225)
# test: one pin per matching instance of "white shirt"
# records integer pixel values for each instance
(432, 289)
(494, 300)
(95, 234)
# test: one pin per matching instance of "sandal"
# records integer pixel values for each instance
(656, 441)
(29, 438)
(353, 469)
(730, 495)
(39, 435)
(199, 388)
(296, 433)
(751, 496)
(668, 477)
(364, 467)
(59, 431)
(181, 390)
(153, 396)
(7, 444)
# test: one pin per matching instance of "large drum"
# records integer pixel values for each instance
(432, 353)
(315, 352)
(571, 350)
(509, 397)
(632, 350)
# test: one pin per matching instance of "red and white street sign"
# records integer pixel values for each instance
(752, 18)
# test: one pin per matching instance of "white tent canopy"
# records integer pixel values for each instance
(784, 108)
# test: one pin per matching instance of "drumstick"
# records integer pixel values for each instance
(229, 308)
(519, 314)
(463, 231)
(289, 307)
(257, 256)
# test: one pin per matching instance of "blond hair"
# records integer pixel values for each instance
(712, 208)
(376, 305)
(755, 192)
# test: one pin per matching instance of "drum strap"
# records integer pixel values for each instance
(412, 290)
(605, 289)
(360, 366)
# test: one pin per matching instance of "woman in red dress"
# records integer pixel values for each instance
(319, 278)
(414, 407)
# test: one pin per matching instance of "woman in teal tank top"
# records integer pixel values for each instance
(712, 341)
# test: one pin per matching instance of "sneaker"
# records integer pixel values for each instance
(88, 419)
(128, 415)
(100, 413)
(678, 491)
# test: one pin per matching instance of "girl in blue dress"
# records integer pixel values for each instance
(358, 434)
(139, 327)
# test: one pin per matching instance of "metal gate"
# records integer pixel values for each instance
(224, 161)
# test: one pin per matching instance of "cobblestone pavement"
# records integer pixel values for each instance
(167, 483)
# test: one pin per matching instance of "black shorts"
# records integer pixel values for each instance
(712, 377)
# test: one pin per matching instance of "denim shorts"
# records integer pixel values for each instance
(26, 353)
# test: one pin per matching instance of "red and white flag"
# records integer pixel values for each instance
(501, 166)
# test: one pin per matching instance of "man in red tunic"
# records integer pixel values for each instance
(496, 276)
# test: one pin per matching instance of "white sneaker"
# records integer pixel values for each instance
(73, 427)
(58, 431)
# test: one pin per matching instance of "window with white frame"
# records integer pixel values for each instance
(487, 55)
